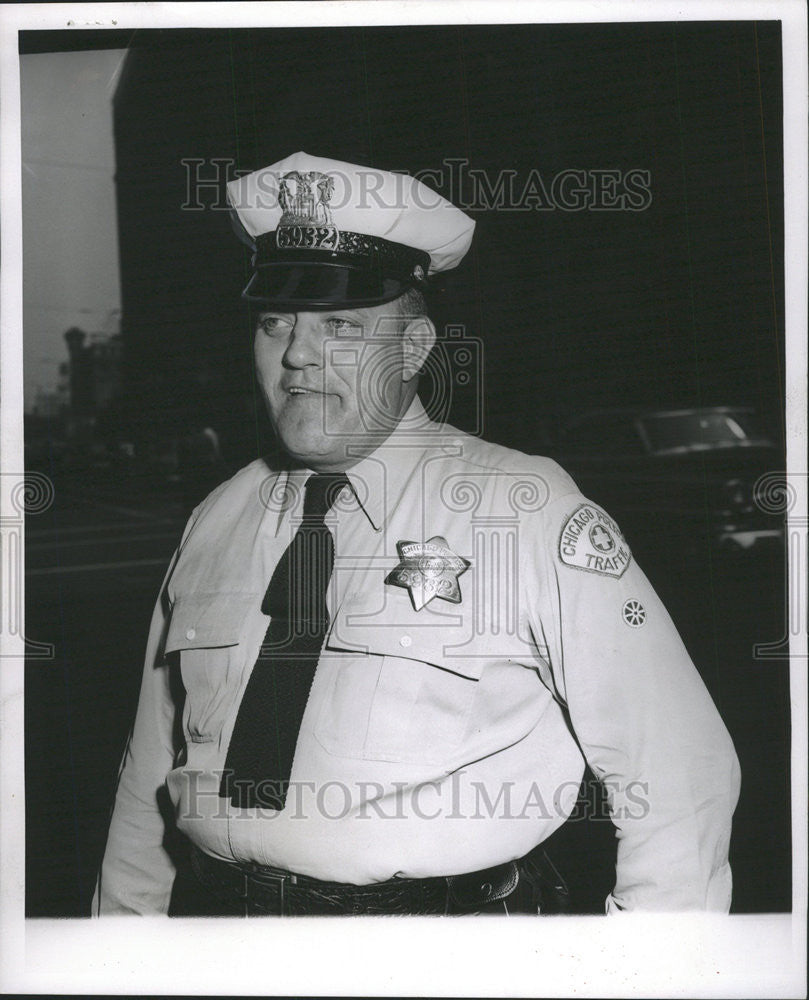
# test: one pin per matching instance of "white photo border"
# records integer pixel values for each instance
(627, 955)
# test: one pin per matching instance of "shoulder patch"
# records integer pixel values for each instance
(592, 541)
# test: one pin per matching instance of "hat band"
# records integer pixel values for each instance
(340, 246)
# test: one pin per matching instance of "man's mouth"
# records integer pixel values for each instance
(302, 392)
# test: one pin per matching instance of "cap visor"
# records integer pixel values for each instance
(321, 286)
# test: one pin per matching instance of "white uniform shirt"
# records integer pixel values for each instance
(437, 741)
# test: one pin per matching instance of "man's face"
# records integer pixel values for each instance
(332, 380)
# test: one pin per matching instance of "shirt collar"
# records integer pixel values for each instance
(377, 479)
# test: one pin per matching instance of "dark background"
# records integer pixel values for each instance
(677, 305)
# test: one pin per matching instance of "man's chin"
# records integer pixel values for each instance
(317, 453)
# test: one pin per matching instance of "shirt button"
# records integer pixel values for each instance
(190, 633)
(405, 641)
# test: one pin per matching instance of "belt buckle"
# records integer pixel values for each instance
(279, 879)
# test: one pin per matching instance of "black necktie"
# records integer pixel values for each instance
(259, 760)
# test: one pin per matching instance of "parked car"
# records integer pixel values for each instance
(676, 476)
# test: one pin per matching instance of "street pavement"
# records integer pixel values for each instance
(94, 564)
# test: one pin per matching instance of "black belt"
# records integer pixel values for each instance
(514, 887)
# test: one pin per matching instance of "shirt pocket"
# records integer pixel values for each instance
(406, 702)
(205, 633)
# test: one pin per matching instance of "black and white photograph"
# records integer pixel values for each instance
(404, 496)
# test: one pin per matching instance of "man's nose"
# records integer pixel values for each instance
(306, 343)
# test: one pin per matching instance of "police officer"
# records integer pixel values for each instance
(375, 674)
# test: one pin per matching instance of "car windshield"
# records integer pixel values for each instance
(701, 430)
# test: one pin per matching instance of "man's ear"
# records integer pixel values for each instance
(418, 338)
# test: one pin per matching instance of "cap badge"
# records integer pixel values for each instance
(306, 220)
(427, 570)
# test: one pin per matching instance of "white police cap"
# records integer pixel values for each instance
(327, 233)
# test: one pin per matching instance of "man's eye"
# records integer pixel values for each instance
(342, 327)
(272, 324)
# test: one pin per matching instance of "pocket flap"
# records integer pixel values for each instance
(201, 621)
(409, 645)
(447, 640)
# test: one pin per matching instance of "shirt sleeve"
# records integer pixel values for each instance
(641, 714)
(137, 873)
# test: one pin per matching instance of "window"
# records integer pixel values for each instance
(699, 430)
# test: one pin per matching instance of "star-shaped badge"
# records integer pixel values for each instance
(428, 569)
